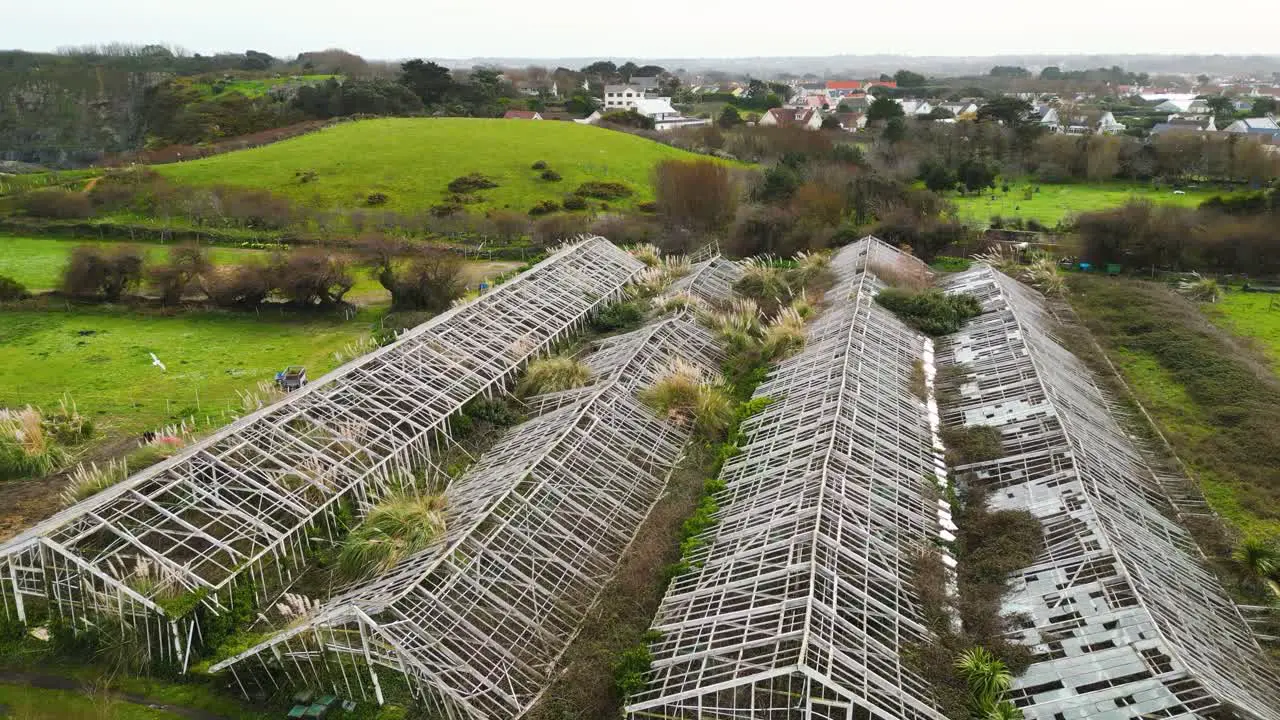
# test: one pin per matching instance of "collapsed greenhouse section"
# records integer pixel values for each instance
(246, 505)
(477, 621)
(800, 603)
(710, 280)
(1124, 618)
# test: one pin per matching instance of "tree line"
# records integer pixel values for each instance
(418, 278)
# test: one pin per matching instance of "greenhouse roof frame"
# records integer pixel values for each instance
(479, 620)
(242, 501)
(811, 524)
(1126, 620)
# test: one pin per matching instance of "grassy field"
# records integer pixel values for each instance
(1054, 203)
(27, 703)
(1214, 398)
(1251, 315)
(413, 160)
(100, 358)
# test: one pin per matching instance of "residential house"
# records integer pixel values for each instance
(960, 109)
(1199, 106)
(837, 90)
(915, 108)
(1176, 124)
(1173, 106)
(664, 116)
(1048, 118)
(623, 97)
(806, 118)
(854, 104)
(647, 84)
(812, 101)
(521, 115)
(1264, 128)
(1107, 124)
(851, 121)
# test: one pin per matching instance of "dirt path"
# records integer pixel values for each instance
(58, 682)
(27, 502)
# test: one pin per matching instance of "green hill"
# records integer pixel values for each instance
(412, 161)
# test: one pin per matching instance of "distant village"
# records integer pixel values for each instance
(1244, 106)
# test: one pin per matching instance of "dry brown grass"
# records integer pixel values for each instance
(901, 275)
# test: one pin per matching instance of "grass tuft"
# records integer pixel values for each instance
(687, 397)
(91, 480)
(395, 528)
(553, 374)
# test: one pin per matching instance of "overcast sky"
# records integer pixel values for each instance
(393, 29)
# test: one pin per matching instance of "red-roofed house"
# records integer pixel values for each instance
(807, 118)
(838, 90)
(521, 115)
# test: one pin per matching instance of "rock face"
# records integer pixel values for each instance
(61, 114)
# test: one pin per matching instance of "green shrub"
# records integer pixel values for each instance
(648, 206)
(550, 176)
(11, 289)
(544, 207)
(685, 396)
(493, 411)
(573, 202)
(539, 165)
(947, 263)
(631, 668)
(376, 199)
(56, 204)
(972, 444)
(445, 209)
(471, 183)
(602, 190)
(618, 316)
(931, 311)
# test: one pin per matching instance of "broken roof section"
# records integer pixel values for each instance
(800, 602)
(1124, 618)
(535, 529)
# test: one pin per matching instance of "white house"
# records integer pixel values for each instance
(807, 118)
(1107, 124)
(622, 97)
(960, 109)
(915, 108)
(1173, 106)
(1261, 126)
(1049, 119)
